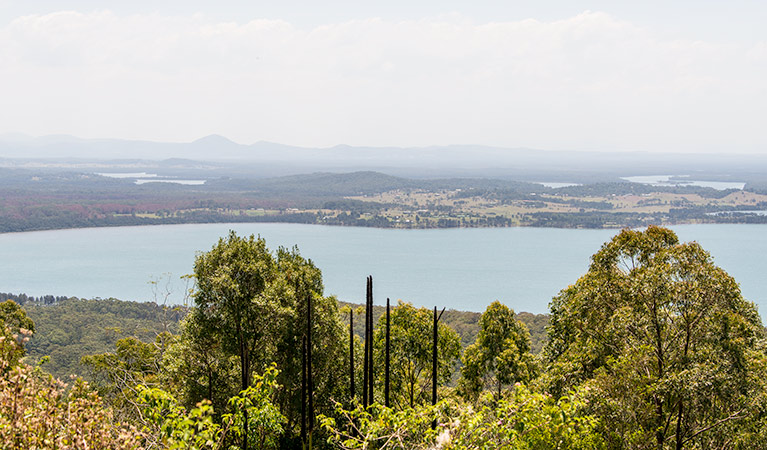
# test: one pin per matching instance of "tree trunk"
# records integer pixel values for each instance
(370, 336)
(434, 361)
(210, 383)
(434, 367)
(309, 373)
(680, 412)
(244, 381)
(365, 369)
(679, 440)
(303, 392)
(386, 368)
(351, 355)
(660, 434)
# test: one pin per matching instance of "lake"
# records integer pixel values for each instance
(684, 180)
(144, 178)
(462, 268)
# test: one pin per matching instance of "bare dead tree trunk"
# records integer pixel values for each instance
(309, 373)
(370, 337)
(365, 369)
(244, 380)
(351, 355)
(386, 369)
(434, 363)
(303, 391)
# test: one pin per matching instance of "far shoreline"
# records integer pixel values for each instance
(166, 222)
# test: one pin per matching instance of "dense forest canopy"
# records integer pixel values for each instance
(654, 347)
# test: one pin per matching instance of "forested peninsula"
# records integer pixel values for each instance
(44, 199)
(653, 347)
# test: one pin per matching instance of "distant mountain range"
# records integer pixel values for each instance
(269, 159)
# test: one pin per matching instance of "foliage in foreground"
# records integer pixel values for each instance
(40, 412)
(522, 420)
(14, 322)
(170, 426)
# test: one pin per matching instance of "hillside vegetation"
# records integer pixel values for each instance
(69, 328)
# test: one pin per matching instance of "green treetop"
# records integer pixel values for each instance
(669, 351)
(500, 355)
(254, 303)
(411, 353)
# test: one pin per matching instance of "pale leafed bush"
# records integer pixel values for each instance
(40, 412)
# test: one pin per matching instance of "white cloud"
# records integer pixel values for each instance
(589, 81)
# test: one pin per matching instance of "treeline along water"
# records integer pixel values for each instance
(463, 269)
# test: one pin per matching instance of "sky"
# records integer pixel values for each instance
(658, 76)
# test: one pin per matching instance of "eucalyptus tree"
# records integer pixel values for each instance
(196, 366)
(500, 355)
(410, 337)
(670, 353)
(235, 293)
(254, 302)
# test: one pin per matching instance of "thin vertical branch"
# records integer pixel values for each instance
(351, 355)
(435, 336)
(367, 343)
(388, 360)
(370, 347)
(434, 367)
(434, 361)
(309, 374)
(303, 391)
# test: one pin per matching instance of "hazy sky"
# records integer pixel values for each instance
(687, 76)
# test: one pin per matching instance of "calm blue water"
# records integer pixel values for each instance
(457, 268)
(684, 180)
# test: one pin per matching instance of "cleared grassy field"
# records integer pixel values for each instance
(422, 208)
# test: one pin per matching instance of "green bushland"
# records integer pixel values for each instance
(70, 328)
